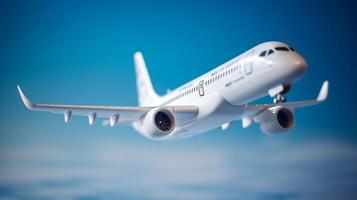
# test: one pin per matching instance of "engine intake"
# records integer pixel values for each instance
(157, 123)
(285, 118)
(164, 121)
(275, 120)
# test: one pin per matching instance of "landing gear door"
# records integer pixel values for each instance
(201, 91)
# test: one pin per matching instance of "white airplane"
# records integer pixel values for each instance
(217, 98)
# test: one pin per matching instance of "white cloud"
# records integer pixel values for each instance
(113, 169)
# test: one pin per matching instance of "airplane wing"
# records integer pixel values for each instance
(253, 110)
(292, 105)
(114, 114)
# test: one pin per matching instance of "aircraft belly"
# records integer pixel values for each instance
(216, 113)
(216, 119)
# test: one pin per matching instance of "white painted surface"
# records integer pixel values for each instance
(213, 99)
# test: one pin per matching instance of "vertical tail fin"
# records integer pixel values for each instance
(146, 94)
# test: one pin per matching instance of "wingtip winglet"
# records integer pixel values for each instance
(25, 100)
(323, 91)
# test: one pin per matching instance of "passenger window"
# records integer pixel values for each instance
(292, 49)
(270, 51)
(262, 54)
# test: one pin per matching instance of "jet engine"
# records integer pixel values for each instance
(158, 122)
(275, 120)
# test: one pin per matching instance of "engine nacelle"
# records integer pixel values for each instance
(158, 123)
(275, 120)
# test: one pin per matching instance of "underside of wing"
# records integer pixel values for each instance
(252, 112)
(114, 114)
(293, 105)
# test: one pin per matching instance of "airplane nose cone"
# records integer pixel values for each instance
(291, 68)
(299, 65)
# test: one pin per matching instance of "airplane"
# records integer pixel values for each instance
(214, 99)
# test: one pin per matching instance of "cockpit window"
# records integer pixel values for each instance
(262, 54)
(281, 49)
(266, 53)
(292, 49)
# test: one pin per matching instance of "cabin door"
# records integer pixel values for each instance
(201, 90)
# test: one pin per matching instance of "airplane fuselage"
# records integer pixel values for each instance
(241, 80)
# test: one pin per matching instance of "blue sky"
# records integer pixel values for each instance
(80, 52)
